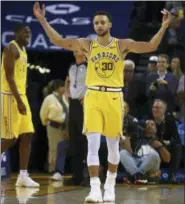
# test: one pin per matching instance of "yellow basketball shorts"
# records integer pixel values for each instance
(13, 123)
(103, 113)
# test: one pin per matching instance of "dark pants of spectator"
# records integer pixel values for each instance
(78, 142)
(176, 152)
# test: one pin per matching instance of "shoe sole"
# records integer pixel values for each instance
(22, 186)
(54, 179)
(93, 201)
(109, 201)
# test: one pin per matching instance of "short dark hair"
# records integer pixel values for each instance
(57, 83)
(166, 57)
(103, 13)
(19, 26)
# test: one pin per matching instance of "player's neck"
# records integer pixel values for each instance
(105, 40)
(20, 44)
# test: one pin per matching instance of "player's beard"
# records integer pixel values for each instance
(103, 33)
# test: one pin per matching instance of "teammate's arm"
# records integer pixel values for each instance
(152, 45)
(10, 55)
(56, 38)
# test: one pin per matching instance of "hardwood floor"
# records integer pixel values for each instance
(57, 193)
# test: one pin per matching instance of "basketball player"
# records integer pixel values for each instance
(16, 115)
(103, 106)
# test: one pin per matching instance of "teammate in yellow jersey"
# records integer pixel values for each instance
(16, 116)
(103, 109)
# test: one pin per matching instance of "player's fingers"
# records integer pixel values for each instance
(36, 4)
(163, 12)
(166, 11)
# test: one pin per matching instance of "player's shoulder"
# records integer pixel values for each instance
(11, 49)
(84, 44)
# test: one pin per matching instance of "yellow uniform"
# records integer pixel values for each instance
(103, 103)
(13, 123)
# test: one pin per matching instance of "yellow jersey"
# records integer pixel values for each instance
(105, 65)
(20, 72)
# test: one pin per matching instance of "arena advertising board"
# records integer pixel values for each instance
(70, 19)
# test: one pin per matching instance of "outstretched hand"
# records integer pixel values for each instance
(167, 17)
(39, 12)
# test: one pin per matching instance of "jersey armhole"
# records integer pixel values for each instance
(90, 48)
(124, 53)
(16, 47)
(118, 47)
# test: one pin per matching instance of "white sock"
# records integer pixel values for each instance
(23, 173)
(110, 180)
(95, 183)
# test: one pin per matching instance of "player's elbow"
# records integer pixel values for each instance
(9, 78)
(152, 47)
(54, 41)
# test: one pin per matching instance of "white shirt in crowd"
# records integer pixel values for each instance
(52, 109)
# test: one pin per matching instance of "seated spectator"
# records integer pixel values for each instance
(180, 99)
(175, 67)
(145, 156)
(130, 123)
(152, 64)
(168, 135)
(54, 114)
(134, 90)
(162, 85)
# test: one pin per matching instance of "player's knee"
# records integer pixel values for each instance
(92, 156)
(93, 159)
(114, 157)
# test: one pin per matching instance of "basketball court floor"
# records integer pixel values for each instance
(56, 193)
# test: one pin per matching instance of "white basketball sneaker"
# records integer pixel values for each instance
(26, 181)
(95, 196)
(57, 177)
(109, 195)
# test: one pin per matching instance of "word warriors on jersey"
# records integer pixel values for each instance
(105, 55)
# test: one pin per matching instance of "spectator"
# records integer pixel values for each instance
(152, 64)
(162, 85)
(168, 135)
(146, 155)
(134, 90)
(180, 99)
(48, 89)
(75, 86)
(54, 114)
(176, 67)
(129, 123)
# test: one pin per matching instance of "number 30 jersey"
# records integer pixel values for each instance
(105, 65)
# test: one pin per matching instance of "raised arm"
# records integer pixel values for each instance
(152, 45)
(56, 38)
